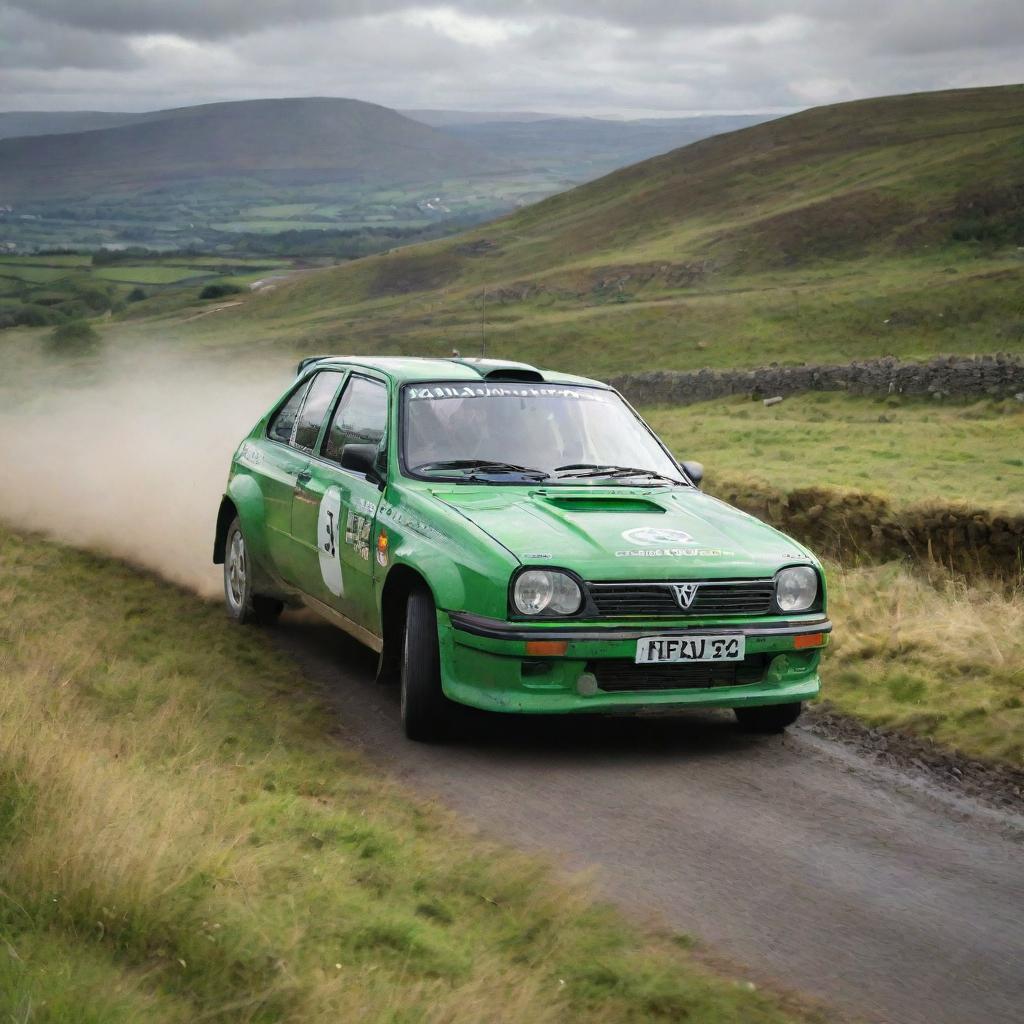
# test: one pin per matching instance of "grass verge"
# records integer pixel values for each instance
(933, 657)
(864, 479)
(181, 839)
(904, 449)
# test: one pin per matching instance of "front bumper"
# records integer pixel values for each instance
(487, 664)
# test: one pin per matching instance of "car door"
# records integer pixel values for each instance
(279, 467)
(333, 527)
(309, 424)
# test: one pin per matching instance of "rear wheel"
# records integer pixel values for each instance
(242, 604)
(772, 718)
(426, 711)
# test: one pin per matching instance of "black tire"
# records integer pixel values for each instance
(244, 606)
(768, 719)
(427, 713)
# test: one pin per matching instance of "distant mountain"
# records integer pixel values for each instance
(280, 142)
(582, 148)
(444, 118)
(61, 122)
(203, 176)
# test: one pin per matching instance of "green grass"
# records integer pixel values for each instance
(55, 260)
(183, 837)
(277, 211)
(931, 657)
(148, 273)
(907, 450)
(32, 272)
(76, 287)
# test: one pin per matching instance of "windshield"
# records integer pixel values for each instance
(528, 432)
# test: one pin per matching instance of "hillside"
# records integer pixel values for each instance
(885, 226)
(282, 142)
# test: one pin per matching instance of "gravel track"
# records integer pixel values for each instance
(849, 880)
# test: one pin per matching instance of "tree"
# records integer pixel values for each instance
(218, 291)
(73, 336)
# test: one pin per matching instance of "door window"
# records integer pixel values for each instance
(284, 420)
(361, 416)
(314, 409)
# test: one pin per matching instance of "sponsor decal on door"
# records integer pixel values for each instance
(327, 531)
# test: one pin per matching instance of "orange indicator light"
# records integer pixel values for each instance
(548, 648)
(382, 549)
(809, 640)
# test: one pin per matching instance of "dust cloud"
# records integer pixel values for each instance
(129, 454)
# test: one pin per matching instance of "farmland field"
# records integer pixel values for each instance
(149, 274)
(904, 449)
(46, 290)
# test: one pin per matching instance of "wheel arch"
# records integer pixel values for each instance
(399, 583)
(225, 517)
(244, 499)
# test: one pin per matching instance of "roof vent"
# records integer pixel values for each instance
(513, 374)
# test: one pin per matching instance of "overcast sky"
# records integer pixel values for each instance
(576, 56)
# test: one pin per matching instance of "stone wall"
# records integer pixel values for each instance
(998, 376)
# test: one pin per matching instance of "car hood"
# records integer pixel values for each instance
(626, 533)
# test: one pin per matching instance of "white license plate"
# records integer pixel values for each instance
(716, 647)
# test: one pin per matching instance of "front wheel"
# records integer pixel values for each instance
(242, 604)
(426, 711)
(768, 719)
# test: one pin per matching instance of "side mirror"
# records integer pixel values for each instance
(362, 458)
(694, 470)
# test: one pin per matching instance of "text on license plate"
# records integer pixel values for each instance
(717, 647)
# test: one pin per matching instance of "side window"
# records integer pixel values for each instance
(314, 409)
(281, 425)
(361, 416)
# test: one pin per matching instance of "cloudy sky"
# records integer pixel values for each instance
(581, 56)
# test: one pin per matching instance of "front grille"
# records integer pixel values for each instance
(616, 675)
(654, 600)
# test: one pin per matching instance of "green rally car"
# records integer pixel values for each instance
(515, 540)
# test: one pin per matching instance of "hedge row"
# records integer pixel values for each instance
(851, 526)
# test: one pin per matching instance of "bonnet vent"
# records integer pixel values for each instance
(599, 503)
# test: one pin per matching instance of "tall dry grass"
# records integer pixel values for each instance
(931, 653)
(180, 840)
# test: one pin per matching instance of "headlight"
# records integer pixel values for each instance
(538, 590)
(796, 588)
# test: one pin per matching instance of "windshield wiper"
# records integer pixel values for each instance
(484, 465)
(581, 470)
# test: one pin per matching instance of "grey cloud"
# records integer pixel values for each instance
(195, 19)
(213, 19)
(26, 42)
(937, 26)
(591, 56)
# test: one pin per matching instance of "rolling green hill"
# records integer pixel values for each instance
(284, 141)
(887, 226)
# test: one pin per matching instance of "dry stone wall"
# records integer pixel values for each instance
(996, 376)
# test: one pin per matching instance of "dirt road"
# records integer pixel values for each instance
(852, 884)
